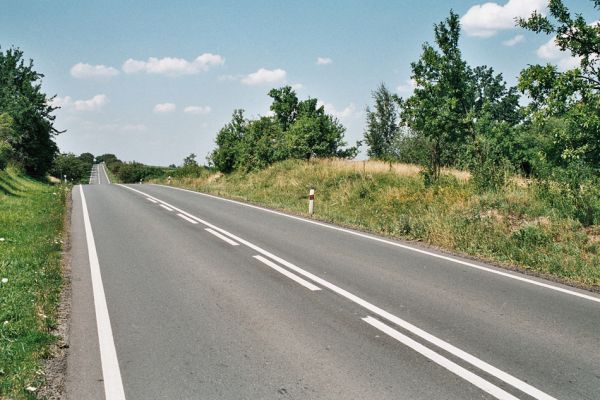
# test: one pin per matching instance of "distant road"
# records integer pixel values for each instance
(179, 295)
(98, 175)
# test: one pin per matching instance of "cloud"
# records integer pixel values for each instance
(324, 60)
(93, 104)
(407, 87)
(171, 66)
(513, 41)
(550, 52)
(62, 102)
(264, 76)
(486, 20)
(340, 114)
(297, 86)
(199, 110)
(164, 108)
(82, 71)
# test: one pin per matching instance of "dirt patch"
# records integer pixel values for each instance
(55, 367)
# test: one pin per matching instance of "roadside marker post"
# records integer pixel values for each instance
(311, 201)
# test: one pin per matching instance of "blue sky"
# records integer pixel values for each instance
(191, 63)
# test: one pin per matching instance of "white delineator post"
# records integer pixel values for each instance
(311, 201)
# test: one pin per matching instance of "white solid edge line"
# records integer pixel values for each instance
(482, 365)
(441, 360)
(165, 207)
(186, 218)
(403, 246)
(287, 273)
(152, 200)
(111, 374)
(222, 237)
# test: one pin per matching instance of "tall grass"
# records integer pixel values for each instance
(514, 226)
(31, 226)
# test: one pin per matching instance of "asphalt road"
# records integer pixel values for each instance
(98, 175)
(195, 297)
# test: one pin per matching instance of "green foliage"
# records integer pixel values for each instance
(31, 225)
(87, 158)
(6, 132)
(21, 97)
(298, 129)
(439, 109)
(382, 129)
(76, 169)
(134, 172)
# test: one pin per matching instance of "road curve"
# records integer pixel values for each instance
(208, 298)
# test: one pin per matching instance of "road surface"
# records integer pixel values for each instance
(179, 295)
(98, 175)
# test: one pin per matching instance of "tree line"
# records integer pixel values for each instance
(468, 117)
(26, 122)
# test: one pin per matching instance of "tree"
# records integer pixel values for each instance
(22, 99)
(316, 134)
(572, 95)
(440, 108)
(226, 155)
(382, 124)
(285, 106)
(76, 170)
(87, 158)
(6, 132)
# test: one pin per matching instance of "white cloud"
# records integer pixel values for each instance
(133, 127)
(62, 102)
(550, 52)
(340, 114)
(82, 71)
(407, 87)
(264, 75)
(324, 60)
(485, 20)
(93, 104)
(199, 110)
(164, 108)
(171, 66)
(513, 41)
(297, 86)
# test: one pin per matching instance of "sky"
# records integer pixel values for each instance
(153, 81)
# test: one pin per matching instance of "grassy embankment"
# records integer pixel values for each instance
(31, 229)
(518, 226)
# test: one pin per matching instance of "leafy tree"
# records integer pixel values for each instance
(88, 158)
(261, 145)
(572, 95)
(316, 134)
(107, 158)
(6, 132)
(382, 124)
(285, 106)
(226, 155)
(21, 97)
(464, 115)
(439, 109)
(76, 169)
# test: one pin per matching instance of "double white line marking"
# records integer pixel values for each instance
(451, 366)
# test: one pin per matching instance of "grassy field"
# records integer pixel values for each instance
(31, 228)
(519, 226)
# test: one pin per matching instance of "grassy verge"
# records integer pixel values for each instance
(518, 226)
(31, 227)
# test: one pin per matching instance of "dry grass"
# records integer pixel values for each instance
(372, 166)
